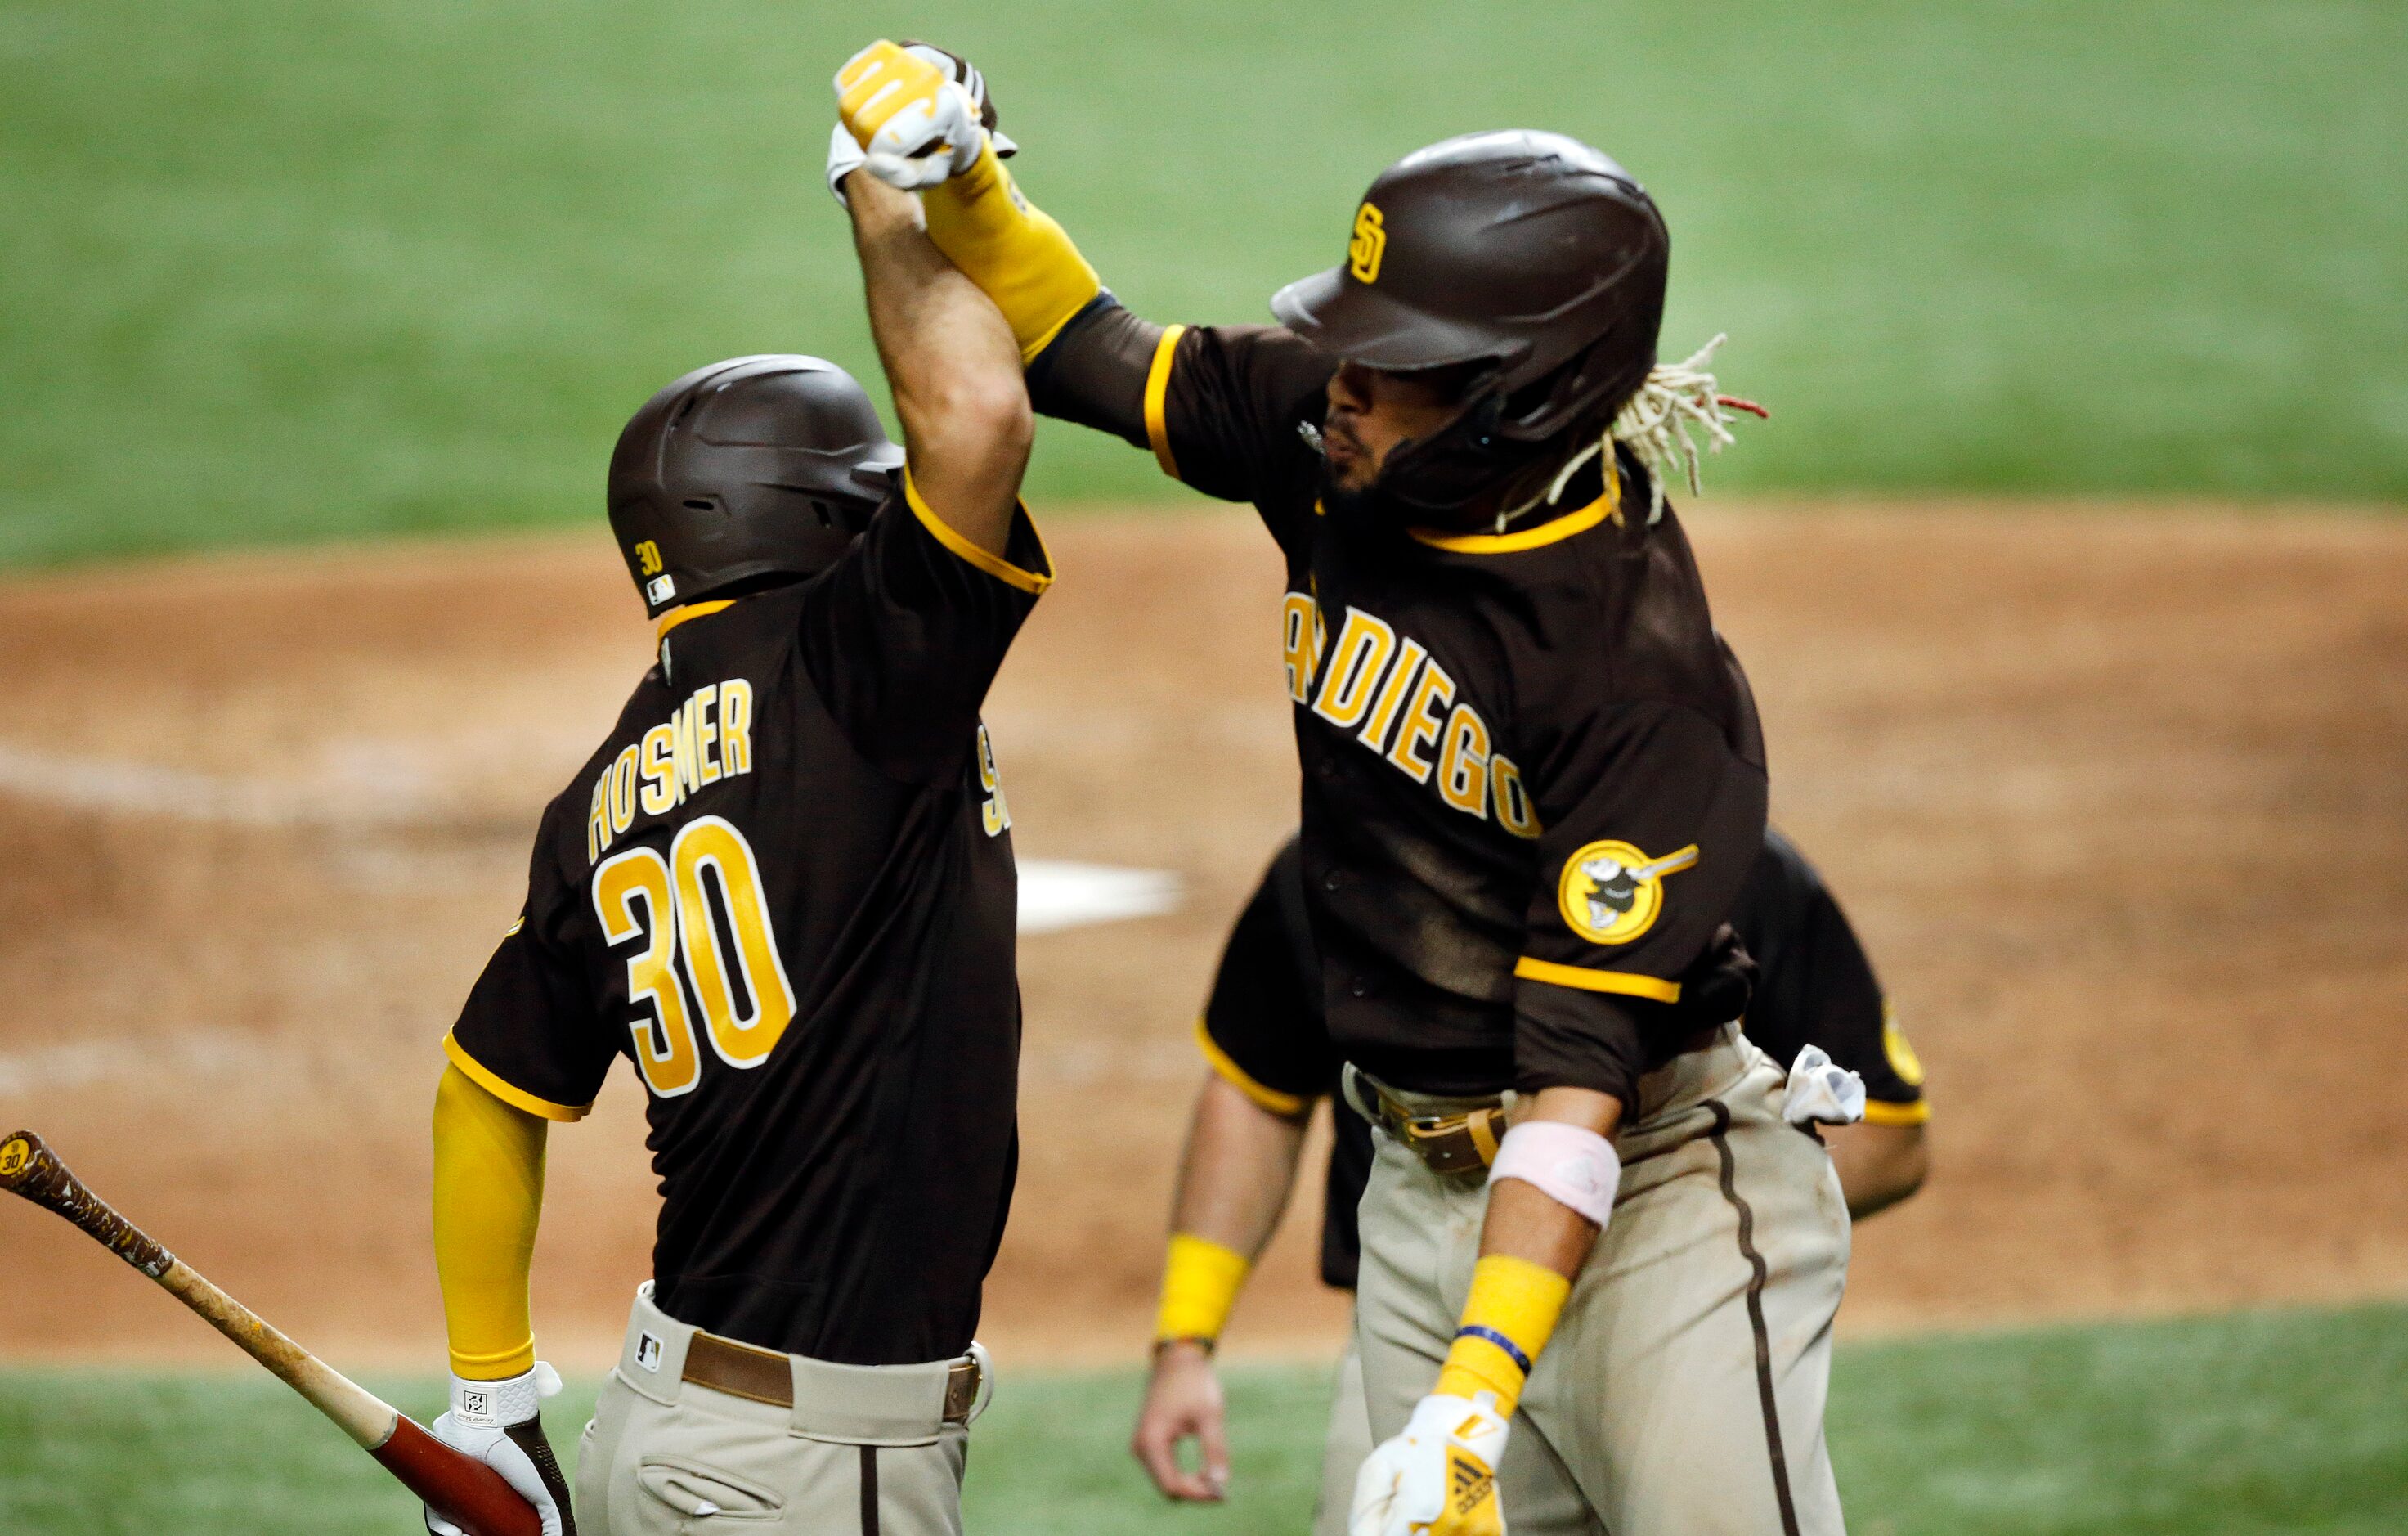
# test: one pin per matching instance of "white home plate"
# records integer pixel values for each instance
(1055, 895)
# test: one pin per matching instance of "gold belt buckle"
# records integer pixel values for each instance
(961, 1391)
(1453, 1143)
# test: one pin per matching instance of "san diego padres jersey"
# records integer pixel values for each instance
(1533, 776)
(1264, 1031)
(784, 890)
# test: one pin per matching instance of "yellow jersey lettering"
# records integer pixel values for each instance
(995, 813)
(1430, 697)
(736, 726)
(660, 793)
(672, 760)
(1384, 713)
(622, 791)
(1463, 761)
(1354, 667)
(687, 754)
(597, 820)
(1389, 685)
(1514, 810)
(1296, 625)
(705, 730)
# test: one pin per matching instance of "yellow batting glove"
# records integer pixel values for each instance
(1439, 1477)
(916, 127)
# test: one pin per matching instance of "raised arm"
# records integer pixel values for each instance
(951, 363)
(1215, 404)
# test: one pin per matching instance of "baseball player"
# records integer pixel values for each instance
(784, 890)
(1599, 1266)
(1268, 1049)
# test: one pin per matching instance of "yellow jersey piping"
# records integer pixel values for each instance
(1626, 983)
(1286, 1104)
(677, 616)
(517, 1098)
(1881, 1112)
(1158, 399)
(1549, 532)
(995, 566)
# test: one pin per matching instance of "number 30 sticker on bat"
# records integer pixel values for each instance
(469, 1494)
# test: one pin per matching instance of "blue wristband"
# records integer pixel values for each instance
(1512, 1350)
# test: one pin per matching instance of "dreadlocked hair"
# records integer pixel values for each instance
(1656, 423)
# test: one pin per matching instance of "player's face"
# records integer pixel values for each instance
(1372, 412)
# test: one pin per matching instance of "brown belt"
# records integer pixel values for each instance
(1446, 1143)
(762, 1375)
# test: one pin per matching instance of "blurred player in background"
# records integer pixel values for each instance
(1263, 1035)
(1533, 785)
(784, 890)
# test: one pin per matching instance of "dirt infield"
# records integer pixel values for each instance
(2120, 800)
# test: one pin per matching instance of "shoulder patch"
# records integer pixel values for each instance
(1611, 891)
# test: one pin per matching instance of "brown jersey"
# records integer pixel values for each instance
(1264, 1031)
(1533, 776)
(784, 890)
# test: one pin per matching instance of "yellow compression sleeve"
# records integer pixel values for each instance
(1506, 1321)
(1200, 1282)
(1015, 252)
(488, 1197)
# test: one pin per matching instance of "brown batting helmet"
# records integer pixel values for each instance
(755, 467)
(1526, 251)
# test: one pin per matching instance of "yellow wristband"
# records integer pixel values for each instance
(1014, 251)
(1200, 1281)
(1506, 1321)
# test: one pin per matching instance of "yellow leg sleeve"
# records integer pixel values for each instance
(488, 1197)
(1200, 1281)
(1016, 253)
(1506, 1320)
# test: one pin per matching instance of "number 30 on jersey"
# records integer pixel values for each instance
(704, 925)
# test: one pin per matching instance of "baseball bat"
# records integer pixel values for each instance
(468, 1493)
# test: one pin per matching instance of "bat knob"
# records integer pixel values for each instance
(18, 1156)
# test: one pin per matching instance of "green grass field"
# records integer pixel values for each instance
(2258, 1423)
(280, 270)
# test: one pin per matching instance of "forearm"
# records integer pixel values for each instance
(1531, 1247)
(1234, 1182)
(951, 363)
(488, 1200)
(1527, 1224)
(1879, 1166)
(1238, 1169)
(1015, 252)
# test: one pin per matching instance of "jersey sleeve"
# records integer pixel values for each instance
(903, 636)
(1818, 986)
(1263, 1027)
(1650, 821)
(1219, 406)
(528, 1033)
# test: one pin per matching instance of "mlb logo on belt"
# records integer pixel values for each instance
(648, 1352)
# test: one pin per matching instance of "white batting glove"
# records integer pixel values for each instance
(844, 158)
(1439, 1477)
(915, 126)
(1820, 1091)
(967, 76)
(500, 1424)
